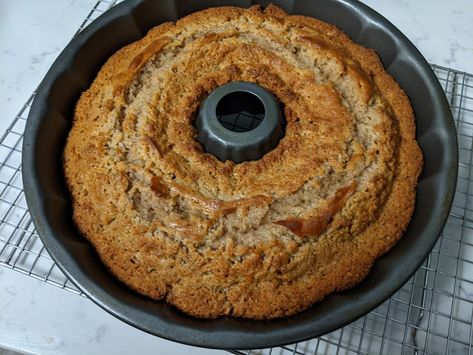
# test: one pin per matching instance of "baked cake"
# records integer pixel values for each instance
(260, 239)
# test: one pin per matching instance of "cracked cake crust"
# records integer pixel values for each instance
(260, 239)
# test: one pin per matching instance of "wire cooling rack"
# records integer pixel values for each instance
(431, 314)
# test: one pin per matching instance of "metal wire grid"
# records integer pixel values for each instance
(241, 121)
(431, 314)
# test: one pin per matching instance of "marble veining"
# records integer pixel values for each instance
(466, 292)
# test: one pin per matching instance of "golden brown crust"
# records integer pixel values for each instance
(317, 221)
(260, 239)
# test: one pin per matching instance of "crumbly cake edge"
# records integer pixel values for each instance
(377, 239)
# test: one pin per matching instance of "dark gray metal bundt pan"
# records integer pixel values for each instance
(50, 206)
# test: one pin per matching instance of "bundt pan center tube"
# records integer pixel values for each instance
(50, 204)
(239, 121)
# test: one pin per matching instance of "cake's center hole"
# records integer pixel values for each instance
(240, 111)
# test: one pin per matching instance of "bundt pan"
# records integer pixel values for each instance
(50, 205)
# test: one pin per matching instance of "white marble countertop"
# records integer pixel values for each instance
(38, 318)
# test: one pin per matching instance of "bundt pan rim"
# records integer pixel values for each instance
(50, 205)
